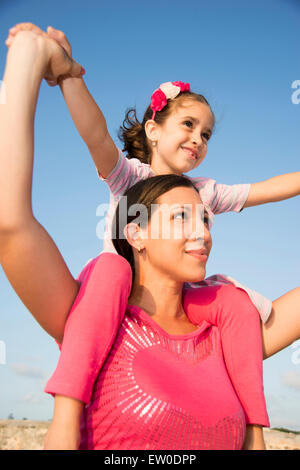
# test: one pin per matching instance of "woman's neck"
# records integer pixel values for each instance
(157, 296)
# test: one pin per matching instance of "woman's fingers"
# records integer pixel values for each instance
(25, 27)
(9, 41)
(22, 27)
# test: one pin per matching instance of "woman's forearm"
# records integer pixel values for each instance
(22, 78)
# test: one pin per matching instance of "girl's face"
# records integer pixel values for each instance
(177, 241)
(182, 139)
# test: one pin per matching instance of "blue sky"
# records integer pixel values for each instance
(244, 57)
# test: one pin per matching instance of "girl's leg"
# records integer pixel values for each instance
(283, 325)
(92, 325)
(239, 322)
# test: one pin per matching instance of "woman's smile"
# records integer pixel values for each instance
(201, 254)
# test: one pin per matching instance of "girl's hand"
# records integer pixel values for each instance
(62, 55)
(61, 39)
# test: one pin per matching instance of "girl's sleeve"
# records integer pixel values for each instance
(231, 310)
(91, 326)
(260, 302)
(222, 197)
(125, 174)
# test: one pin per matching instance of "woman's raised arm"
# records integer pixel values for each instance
(28, 255)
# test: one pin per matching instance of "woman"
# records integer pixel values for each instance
(164, 384)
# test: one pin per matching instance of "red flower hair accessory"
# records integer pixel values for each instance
(165, 92)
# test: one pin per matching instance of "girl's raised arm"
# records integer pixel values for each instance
(86, 114)
(28, 255)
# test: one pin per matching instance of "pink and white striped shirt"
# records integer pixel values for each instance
(217, 198)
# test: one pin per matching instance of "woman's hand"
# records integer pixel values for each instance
(58, 49)
(61, 437)
(254, 439)
(64, 431)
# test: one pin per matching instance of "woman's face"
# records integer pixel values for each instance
(177, 241)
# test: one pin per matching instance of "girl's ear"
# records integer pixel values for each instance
(151, 130)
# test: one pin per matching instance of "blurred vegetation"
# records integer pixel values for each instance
(285, 430)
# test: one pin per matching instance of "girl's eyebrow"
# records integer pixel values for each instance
(196, 121)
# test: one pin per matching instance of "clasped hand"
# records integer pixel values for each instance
(57, 50)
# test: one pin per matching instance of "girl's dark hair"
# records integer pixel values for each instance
(132, 132)
(144, 192)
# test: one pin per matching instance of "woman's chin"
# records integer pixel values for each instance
(197, 276)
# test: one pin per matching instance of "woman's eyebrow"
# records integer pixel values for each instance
(188, 208)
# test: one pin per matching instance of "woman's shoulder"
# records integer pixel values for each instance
(212, 293)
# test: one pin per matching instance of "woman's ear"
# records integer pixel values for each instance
(132, 233)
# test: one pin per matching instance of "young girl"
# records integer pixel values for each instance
(178, 144)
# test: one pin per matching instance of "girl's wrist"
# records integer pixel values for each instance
(67, 81)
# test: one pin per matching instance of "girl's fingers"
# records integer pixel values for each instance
(57, 33)
(52, 82)
(60, 37)
(76, 69)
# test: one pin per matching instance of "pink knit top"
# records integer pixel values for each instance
(162, 391)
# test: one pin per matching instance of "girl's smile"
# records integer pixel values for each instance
(191, 153)
(181, 141)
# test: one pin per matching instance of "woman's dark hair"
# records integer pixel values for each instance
(132, 132)
(144, 192)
